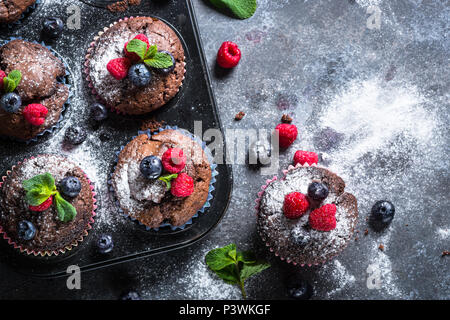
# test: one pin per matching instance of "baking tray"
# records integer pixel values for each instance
(194, 102)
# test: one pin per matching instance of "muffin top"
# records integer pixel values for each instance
(149, 201)
(41, 73)
(11, 10)
(52, 234)
(123, 95)
(294, 239)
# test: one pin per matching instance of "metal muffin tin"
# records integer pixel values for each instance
(194, 102)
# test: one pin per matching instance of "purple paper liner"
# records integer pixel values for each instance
(258, 200)
(64, 80)
(86, 69)
(68, 247)
(18, 22)
(214, 173)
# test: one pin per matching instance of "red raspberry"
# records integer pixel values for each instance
(174, 160)
(287, 133)
(295, 205)
(182, 186)
(131, 55)
(323, 219)
(119, 67)
(229, 55)
(303, 157)
(43, 206)
(35, 114)
(2, 75)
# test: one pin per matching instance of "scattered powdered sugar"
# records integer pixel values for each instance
(340, 275)
(443, 233)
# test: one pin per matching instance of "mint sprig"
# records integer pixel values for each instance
(40, 188)
(242, 9)
(11, 81)
(167, 179)
(151, 57)
(233, 266)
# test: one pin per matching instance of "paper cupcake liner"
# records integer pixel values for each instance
(214, 173)
(18, 22)
(258, 201)
(66, 80)
(49, 253)
(86, 70)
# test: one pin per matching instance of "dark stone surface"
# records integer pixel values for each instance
(322, 60)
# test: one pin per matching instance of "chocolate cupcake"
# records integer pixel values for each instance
(136, 65)
(33, 102)
(47, 205)
(306, 217)
(12, 10)
(163, 179)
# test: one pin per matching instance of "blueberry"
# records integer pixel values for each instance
(299, 289)
(75, 135)
(170, 69)
(99, 112)
(327, 139)
(151, 167)
(139, 75)
(105, 243)
(132, 295)
(300, 238)
(53, 27)
(287, 101)
(70, 186)
(381, 214)
(11, 102)
(317, 191)
(26, 230)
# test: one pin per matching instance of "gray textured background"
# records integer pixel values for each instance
(319, 56)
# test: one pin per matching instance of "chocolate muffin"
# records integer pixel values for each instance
(40, 84)
(52, 235)
(11, 10)
(149, 201)
(295, 239)
(122, 95)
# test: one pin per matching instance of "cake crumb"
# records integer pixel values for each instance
(121, 6)
(366, 232)
(239, 116)
(381, 247)
(286, 118)
(445, 253)
(152, 125)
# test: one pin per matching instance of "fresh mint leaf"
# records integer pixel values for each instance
(39, 188)
(219, 258)
(11, 81)
(160, 60)
(151, 52)
(249, 270)
(241, 9)
(233, 266)
(66, 212)
(167, 179)
(137, 46)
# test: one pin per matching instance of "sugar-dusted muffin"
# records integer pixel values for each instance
(116, 89)
(40, 86)
(47, 205)
(12, 10)
(303, 223)
(146, 163)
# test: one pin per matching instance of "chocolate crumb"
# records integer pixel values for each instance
(121, 6)
(286, 118)
(366, 232)
(356, 239)
(152, 125)
(239, 116)
(381, 247)
(445, 253)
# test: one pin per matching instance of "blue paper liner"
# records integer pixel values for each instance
(64, 80)
(27, 12)
(214, 173)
